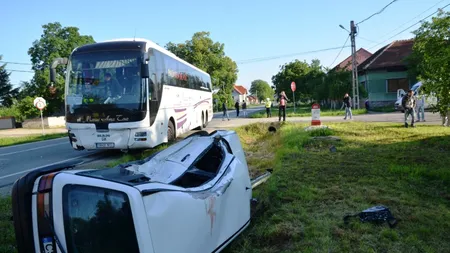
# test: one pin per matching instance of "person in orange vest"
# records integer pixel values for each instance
(282, 100)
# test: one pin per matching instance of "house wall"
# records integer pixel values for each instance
(376, 85)
(238, 97)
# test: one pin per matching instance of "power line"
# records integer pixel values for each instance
(380, 11)
(340, 51)
(16, 70)
(17, 63)
(403, 23)
(283, 56)
(411, 25)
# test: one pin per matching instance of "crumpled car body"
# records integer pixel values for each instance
(192, 197)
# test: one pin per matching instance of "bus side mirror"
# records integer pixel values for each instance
(144, 70)
(55, 63)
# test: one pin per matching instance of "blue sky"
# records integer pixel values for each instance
(249, 29)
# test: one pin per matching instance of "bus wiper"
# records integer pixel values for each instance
(47, 218)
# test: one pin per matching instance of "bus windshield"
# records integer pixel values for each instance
(105, 82)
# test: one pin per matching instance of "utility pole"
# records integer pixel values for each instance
(355, 83)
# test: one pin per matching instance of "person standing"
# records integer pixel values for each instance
(421, 108)
(268, 108)
(236, 105)
(409, 104)
(225, 110)
(244, 108)
(347, 103)
(282, 106)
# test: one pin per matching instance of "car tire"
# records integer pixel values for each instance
(170, 132)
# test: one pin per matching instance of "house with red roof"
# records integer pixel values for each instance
(385, 72)
(361, 56)
(239, 93)
(252, 99)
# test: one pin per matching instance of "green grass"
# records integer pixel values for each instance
(311, 189)
(303, 203)
(389, 108)
(306, 112)
(9, 141)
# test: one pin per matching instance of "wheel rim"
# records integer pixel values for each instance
(170, 133)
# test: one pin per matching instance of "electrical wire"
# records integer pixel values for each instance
(340, 51)
(283, 56)
(16, 70)
(411, 25)
(402, 24)
(376, 13)
(17, 63)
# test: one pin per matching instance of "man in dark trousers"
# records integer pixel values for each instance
(225, 110)
(409, 104)
(236, 105)
(244, 108)
(282, 100)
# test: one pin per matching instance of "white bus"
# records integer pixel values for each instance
(131, 94)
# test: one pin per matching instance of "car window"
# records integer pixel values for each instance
(98, 220)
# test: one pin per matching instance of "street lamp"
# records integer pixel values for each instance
(341, 26)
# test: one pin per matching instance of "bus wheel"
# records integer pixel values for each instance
(204, 120)
(171, 132)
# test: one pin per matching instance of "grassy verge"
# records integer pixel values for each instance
(7, 237)
(9, 141)
(306, 112)
(312, 189)
(383, 109)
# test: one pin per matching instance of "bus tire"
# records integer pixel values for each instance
(205, 121)
(171, 132)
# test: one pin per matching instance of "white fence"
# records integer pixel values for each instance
(49, 122)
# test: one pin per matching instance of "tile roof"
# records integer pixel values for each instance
(392, 55)
(361, 56)
(240, 89)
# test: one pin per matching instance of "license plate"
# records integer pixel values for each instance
(105, 145)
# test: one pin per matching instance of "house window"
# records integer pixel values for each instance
(394, 84)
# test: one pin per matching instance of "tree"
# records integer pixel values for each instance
(209, 56)
(262, 89)
(430, 59)
(7, 92)
(56, 41)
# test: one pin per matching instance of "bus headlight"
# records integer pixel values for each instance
(140, 134)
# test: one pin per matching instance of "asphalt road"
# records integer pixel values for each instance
(16, 161)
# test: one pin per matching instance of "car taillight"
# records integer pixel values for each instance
(44, 213)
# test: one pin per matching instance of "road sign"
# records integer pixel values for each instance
(40, 103)
(315, 112)
(293, 87)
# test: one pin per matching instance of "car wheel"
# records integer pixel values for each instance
(171, 132)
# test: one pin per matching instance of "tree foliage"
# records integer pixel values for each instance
(56, 41)
(313, 82)
(7, 92)
(262, 88)
(209, 56)
(430, 59)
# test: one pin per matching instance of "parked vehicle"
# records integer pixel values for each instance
(430, 100)
(193, 197)
(131, 94)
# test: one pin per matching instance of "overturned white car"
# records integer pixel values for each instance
(194, 197)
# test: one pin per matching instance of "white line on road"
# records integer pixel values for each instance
(26, 150)
(30, 143)
(40, 167)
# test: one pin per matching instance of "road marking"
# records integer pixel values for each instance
(30, 143)
(21, 151)
(40, 167)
